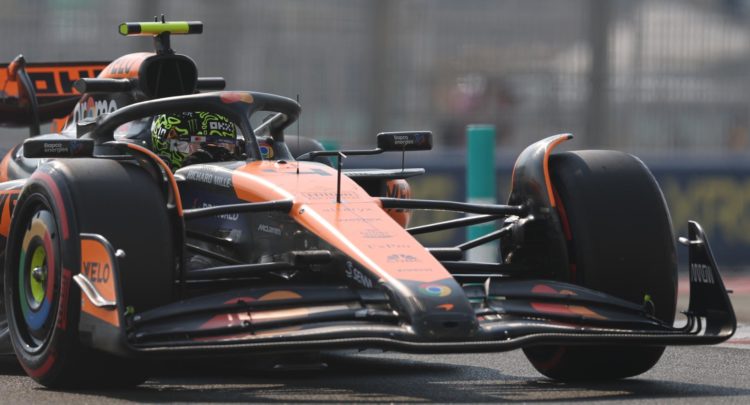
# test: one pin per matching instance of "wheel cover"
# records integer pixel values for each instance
(36, 279)
(38, 269)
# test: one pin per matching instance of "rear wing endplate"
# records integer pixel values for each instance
(51, 86)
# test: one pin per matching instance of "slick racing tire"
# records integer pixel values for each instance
(620, 241)
(62, 199)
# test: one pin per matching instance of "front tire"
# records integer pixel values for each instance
(61, 200)
(620, 241)
(36, 290)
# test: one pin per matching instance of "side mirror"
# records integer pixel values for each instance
(55, 146)
(405, 141)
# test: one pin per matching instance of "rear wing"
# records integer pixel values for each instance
(52, 93)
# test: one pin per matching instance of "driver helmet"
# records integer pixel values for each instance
(175, 137)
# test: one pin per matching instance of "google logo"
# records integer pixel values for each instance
(435, 290)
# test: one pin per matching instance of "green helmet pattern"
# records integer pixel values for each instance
(175, 136)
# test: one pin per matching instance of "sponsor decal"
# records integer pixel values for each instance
(269, 229)
(375, 234)
(435, 290)
(97, 272)
(356, 275)
(123, 66)
(401, 258)
(408, 139)
(356, 210)
(328, 195)
(389, 246)
(228, 97)
(415, 270)
(545, 289)
(50, 80)
(204, 175)
(54, 147)
(59, 81)
(76, 147)
(266, 150)
(359, 219)
(63, 148)
(403, 140)
(701, 273)
(230, 216)
(90, 108)
(98, 266)
(221, 126)
(562, 309)
(445, 307)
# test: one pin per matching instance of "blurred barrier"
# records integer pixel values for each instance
(481, 187)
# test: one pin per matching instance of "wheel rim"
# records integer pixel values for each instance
(36, 279)
(38, 270)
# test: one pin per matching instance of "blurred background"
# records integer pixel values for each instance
(642, 75)
(667, 80)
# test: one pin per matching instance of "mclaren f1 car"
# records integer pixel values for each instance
(111, 258)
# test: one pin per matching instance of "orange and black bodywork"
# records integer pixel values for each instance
(289, 254)
(298, 256)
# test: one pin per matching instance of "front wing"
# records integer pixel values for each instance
(507, 315)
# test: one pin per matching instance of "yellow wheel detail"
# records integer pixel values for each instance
(38, 274)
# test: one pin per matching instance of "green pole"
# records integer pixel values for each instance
(481, 185)
(330, 144)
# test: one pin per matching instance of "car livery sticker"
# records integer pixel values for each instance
(98, 266)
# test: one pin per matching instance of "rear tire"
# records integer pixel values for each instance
(61, 200)
(620, 242)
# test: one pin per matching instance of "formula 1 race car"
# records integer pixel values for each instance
(112, 258)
